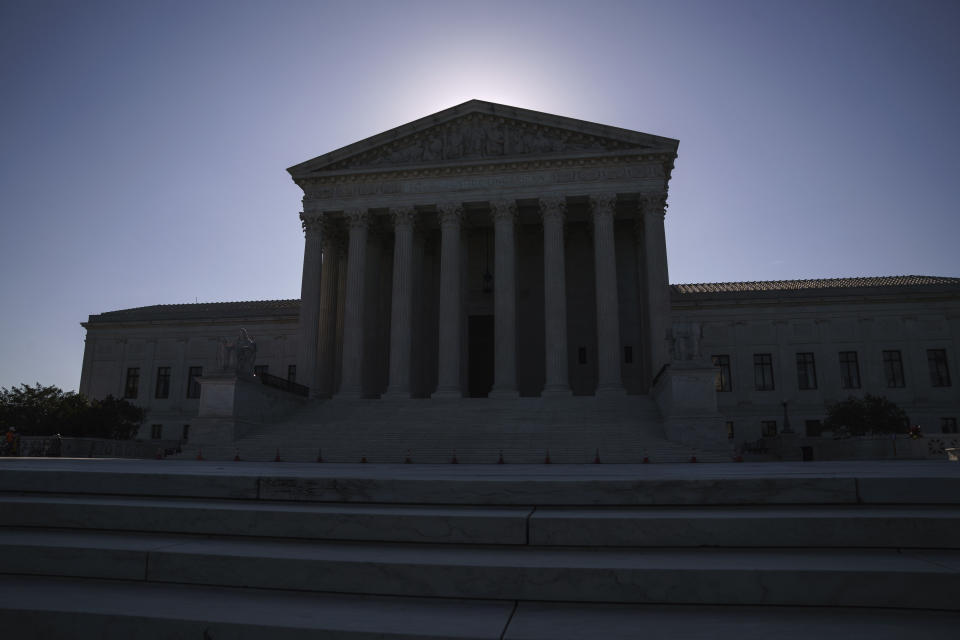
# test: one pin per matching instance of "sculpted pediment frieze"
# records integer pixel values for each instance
(480, 137)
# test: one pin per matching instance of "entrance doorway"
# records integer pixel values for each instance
(480, 333)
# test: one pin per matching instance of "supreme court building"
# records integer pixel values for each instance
(491, 251)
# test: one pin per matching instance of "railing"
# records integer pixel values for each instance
(283, 384)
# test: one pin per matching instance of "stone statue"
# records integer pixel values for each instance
(246, 354)
(226, 355)
(685, 338)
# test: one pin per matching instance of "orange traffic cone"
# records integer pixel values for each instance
(200, 454)
(236, 458)
(278, 458)
(363, 460)
(159, 453)
(646, 460)
(693, 458)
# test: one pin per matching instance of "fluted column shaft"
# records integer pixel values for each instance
(504, 300)
(401, 303)
(326, 343)
(448, 366)
(310, 297)
(351, 381)
(658, 284)
(609, 381)
(553, 211)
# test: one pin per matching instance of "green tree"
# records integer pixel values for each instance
(40, 411)
(869, 414)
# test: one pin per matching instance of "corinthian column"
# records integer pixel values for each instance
(505, 300)
(310, 297)
(448, 367)
(326, 346)
(350, 384)
(608, 308)
(553, 212)
(402, 299)
(654, 206)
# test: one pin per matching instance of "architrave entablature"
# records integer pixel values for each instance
(477, 148)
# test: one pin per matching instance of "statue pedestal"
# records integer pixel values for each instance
(687, 397)
(232, 404)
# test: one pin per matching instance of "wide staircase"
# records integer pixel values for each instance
(212, 550)
(474, 430)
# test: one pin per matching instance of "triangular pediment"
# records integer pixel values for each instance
(476, 132)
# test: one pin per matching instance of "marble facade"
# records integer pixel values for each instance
(493, 251)
(543, 231)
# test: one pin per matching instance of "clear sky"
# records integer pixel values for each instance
(143, 145)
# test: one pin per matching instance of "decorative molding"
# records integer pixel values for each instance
(478, 177)
(654, 203)
(311, 223)
(503, 210)
(450, 213)
(403, 216)
(553, 207)
(603, 204)
(357, 218)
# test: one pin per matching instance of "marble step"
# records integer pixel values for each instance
(906, 483)
(47, 608)
(923, 579)
(798, 526)
(266, 450)
(52, 608)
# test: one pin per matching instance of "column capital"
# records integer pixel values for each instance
(553, 207)
(450, 213)
(503, 210)
(403, 215)
(357, 218)
(312, 223)
(654, 203)
(603, 203)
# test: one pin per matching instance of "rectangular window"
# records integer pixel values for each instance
(893, 370)
(582, 355)
(186, 433)
(763, 371)
(261, 369)
(806, 371)
(156, 431)
(721, 381)
(939, 371)
(132, 387)
(628, 355)
(948, 425)
(163, 382)
(291, 373)
(193, 385)
(768, 428)
(849, 370)
(813, 428)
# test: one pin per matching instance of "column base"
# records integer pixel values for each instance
(556, 391)
(610, 390)
(505, 392)
(447, 393)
